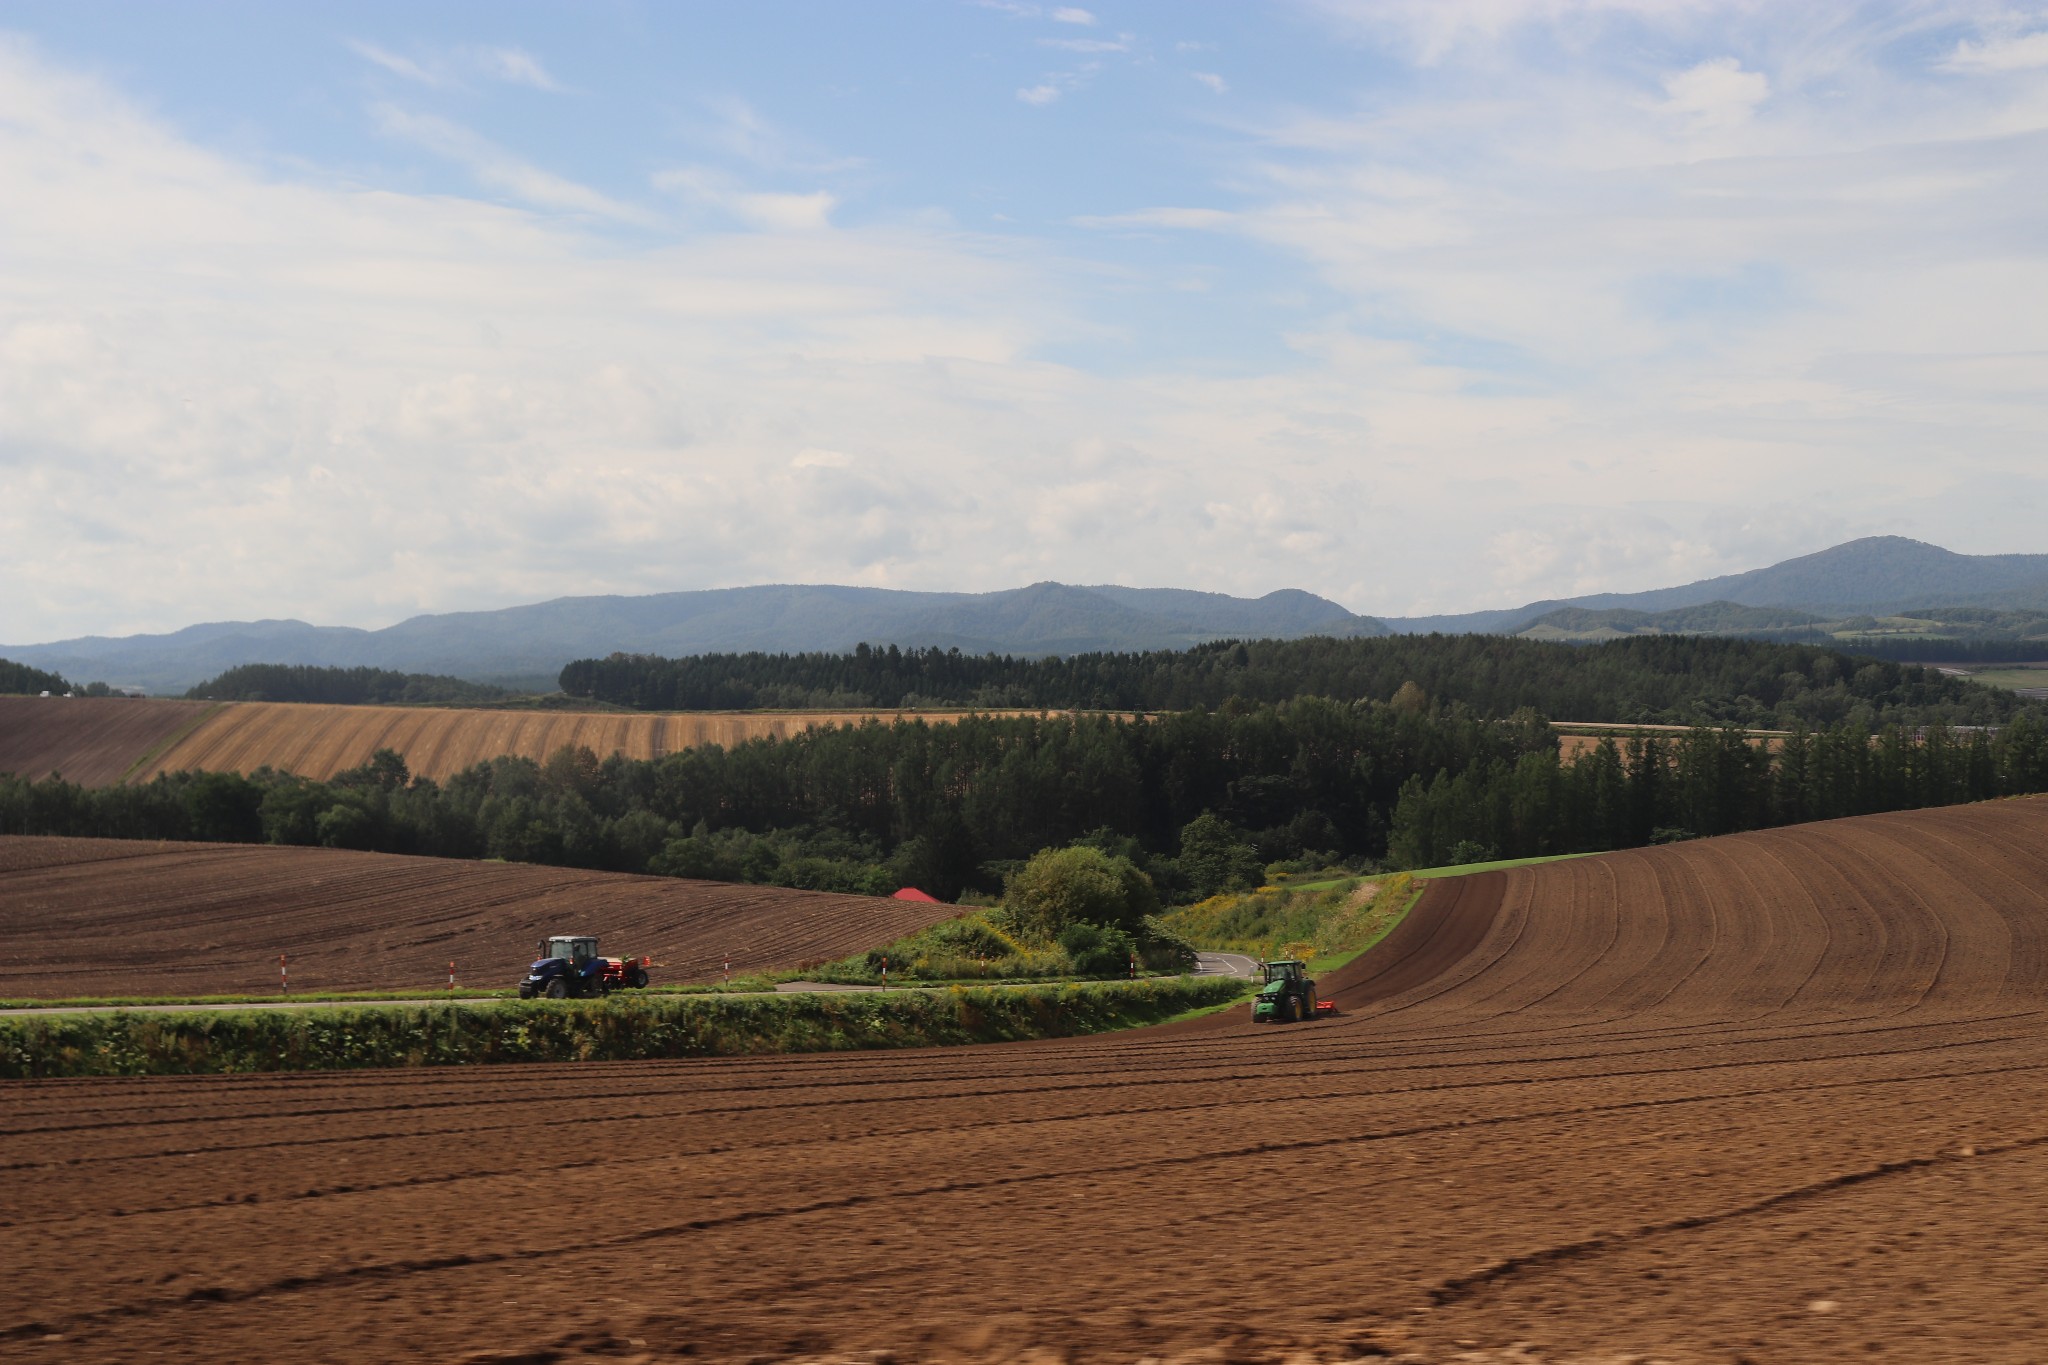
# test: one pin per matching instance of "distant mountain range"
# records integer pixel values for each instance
(1875, 576)
(1878, 577)
(527, 646)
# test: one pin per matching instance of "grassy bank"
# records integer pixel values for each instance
(618, 1029)
(1315, 922)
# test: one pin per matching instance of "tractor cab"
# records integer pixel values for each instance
(1287, 995)
(575, 949)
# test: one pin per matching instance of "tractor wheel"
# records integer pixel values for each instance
(637, 978)
(1290, 1010)
(558, 989)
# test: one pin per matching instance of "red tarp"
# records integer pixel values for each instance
(911, 893)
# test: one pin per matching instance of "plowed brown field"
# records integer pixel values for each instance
(1778, 1097)
(98, 742)
(94, 741)
(115, 917)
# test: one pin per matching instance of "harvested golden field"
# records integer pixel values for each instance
(101, 742)
(1576, 739)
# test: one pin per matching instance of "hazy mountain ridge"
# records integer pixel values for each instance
(1875, 576)
(531, 643)
(1904, 586)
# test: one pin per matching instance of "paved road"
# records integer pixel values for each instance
(1226, 964)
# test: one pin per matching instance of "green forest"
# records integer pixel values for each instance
(341, 686)
(1680, 680)
(20, 678)
(1201, 800)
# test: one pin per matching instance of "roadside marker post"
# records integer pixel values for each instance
(284, 978)
(1134, 964)
(728, 969)
(885, 969)
(451, 976)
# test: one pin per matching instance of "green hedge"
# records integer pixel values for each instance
(618, 1029)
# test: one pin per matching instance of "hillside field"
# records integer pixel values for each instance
(94, 741)
(124, 918)
(102, 741)
(1771, 1097)
(99, 742)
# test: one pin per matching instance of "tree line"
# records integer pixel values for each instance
(341, 686)
(1199, 800)
(20, 678)
(1924, 650)
(1670, 679)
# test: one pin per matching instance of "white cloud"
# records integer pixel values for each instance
(1058, 83)
(514, 66)
(1212, 80)
(499, 169)
(773, 211)
(1070, 14)
(1162, 218)
(397, 65)
(1121, 44)
(816, 457)
(1430, 31)
(1715, 94)
(2017, 52)
(1536, 339)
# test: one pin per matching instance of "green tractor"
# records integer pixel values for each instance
(1288, 995)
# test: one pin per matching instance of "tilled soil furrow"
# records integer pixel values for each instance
(1776, 1096)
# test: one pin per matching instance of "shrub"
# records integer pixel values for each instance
(1098, 949)
(1064, 886)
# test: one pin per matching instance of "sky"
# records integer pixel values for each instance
(348, 313)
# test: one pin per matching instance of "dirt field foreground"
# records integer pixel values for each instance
(1776, 1097)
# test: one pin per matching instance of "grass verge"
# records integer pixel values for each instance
(622, 1028)
(1466, 869)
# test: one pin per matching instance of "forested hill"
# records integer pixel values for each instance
(16, 677)
(341, 686)
(1661, 679)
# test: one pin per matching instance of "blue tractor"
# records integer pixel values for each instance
(570, 967)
